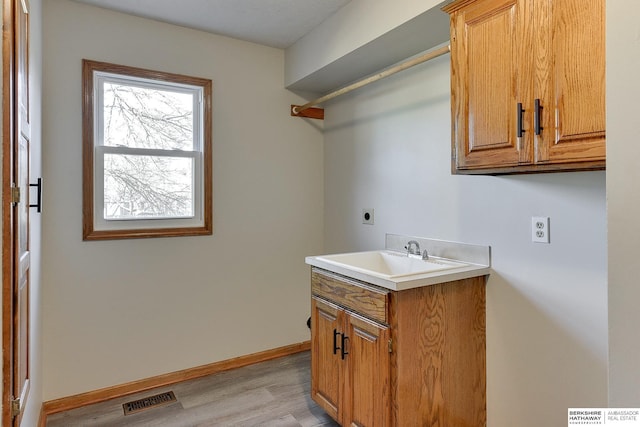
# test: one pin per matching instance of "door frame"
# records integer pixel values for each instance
(7, 213)
(9, 143)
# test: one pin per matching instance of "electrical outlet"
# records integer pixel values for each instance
(540, 229)
(367, 216)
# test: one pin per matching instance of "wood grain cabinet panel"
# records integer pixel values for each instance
(570, 80)
(327, 319)
(488, 76)
(528, 85)
(425, 366)
(358, 297)
(367, 400)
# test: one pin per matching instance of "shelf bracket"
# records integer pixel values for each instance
(311, 112)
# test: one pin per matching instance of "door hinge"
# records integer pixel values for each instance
(15, 194)
(390, 346)
(15, 407)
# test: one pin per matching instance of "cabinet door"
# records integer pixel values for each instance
(491, 69)
(367, 384)
(570, 80)
(327, 322)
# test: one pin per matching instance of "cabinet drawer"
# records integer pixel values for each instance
(366, 300)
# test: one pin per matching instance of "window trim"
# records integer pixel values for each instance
(90, 230)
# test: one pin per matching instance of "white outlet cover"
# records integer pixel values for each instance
(540, 229)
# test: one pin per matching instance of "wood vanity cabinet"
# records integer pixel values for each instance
(351, 366)
(398, 358)
(528, 85)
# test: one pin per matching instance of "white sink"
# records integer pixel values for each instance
(389, 264)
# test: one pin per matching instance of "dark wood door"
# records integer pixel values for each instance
(491, 76)
(327, 321)
(15, 236)
(570, 81)
(368, 390)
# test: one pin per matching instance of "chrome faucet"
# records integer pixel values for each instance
(413, 250)
(410, 250)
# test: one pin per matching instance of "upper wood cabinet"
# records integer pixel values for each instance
(528, 85)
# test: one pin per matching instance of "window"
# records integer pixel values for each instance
(147, 168)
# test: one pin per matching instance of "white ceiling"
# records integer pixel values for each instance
(276, 23)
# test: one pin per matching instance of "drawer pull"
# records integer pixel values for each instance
(335, 341)
(519, 119)
(343, 353)
(537, 113)
(38, 205)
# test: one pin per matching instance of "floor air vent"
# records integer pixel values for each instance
(149, 402)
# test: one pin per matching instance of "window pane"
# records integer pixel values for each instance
(142, 117)
(146, 153)
(137, 186)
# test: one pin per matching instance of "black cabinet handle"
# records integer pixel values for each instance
(537, 113)
(335, 341)
(38, 205)
(519, 115)
(343, 353)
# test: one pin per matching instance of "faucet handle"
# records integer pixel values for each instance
(412, 247)
(425, 255)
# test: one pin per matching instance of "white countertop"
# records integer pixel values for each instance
(405, 282)
(474, 260)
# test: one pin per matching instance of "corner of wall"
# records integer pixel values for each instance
(327, 49)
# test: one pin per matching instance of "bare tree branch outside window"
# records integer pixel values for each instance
(158, 185)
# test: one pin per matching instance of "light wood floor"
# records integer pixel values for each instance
(273, 393)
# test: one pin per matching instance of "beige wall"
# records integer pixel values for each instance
(118, 311)
(623, 210)
(353, 26)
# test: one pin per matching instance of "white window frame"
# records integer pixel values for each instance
(96, 226)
